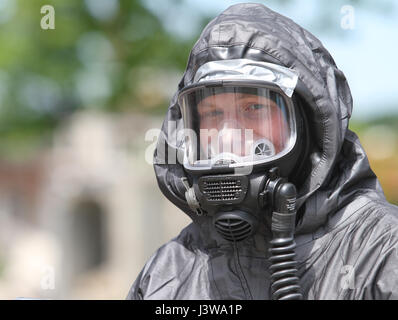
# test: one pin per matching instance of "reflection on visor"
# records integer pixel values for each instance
(236, 124)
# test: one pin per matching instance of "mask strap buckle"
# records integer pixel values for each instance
(191, 197)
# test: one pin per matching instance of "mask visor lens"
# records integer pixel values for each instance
(236, 124)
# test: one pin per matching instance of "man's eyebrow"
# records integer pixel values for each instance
(258, 98)
(202, 105)
(240, 95)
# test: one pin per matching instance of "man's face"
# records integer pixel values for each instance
(233, 122)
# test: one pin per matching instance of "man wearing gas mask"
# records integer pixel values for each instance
(282, 199)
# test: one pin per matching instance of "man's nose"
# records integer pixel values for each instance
(230, 136)
(227, 134)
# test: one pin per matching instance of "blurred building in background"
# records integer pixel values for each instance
(80, 221)
(80, 209)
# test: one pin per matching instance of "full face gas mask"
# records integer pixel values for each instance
(243, 141)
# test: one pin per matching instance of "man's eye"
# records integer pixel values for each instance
(211, 114)
(255, 106)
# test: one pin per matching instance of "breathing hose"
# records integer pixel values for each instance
(283, 269)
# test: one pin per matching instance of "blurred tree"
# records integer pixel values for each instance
(94, 57)
(379, 138)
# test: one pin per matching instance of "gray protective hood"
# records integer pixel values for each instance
(255, 32)
(346, 234)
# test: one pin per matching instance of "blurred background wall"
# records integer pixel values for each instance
(80, 210)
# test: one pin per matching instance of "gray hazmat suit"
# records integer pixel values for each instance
(346, 234)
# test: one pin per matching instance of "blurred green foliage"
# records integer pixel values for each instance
(90, 60)
(379, 138)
